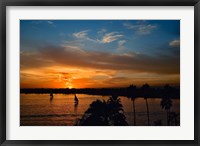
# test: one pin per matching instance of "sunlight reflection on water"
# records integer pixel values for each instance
(38, 110)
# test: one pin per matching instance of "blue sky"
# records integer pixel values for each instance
(142, 41)
(139, 36)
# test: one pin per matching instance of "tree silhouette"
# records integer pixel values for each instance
(166, 102)
(146, 90)
(104, 113)
(174, 118)
(133, 99)
(95, 115)
(132, 95)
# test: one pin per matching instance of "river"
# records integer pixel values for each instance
(38, 110)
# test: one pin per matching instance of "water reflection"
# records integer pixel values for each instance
(133, 100)
(35, 109)
(75, 107)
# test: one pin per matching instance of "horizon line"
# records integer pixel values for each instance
(99, 87)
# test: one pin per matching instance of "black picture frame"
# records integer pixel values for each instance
(5, 3)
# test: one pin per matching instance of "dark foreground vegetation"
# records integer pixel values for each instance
(111, 113)
(104, 113)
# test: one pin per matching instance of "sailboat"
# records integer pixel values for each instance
(75, 99)
(51, 96)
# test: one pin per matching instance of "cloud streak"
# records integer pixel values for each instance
(106, 38)
(50, 22)
(141, 29)
(110, 37)
(37, 22)
(98, 53)
(175, 43)
(70, 57)
(81, 35)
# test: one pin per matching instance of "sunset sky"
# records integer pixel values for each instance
(99, 53)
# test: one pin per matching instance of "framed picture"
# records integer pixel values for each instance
(103, 72)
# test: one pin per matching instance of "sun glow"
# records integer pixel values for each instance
(70, 77)
(99, 57)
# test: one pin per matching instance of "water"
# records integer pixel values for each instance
(38, 110)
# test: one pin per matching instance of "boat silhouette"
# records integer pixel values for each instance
(75, 99)
(51, 96)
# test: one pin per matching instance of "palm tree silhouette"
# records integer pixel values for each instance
(133, 99)
(166, 102)
(94, 115)
(132, 95)
(104, 113)
(115, 112)
(146, 89)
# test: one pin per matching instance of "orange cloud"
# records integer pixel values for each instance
(64, 67)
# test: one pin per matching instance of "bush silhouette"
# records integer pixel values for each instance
(166, 102)
(104, 113)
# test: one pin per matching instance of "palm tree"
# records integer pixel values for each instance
(116, 113)
(146, 90)
(147, 110)
(133, 99)
(132, 95)
(95, 115)
(166, 102)
(104, 113)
